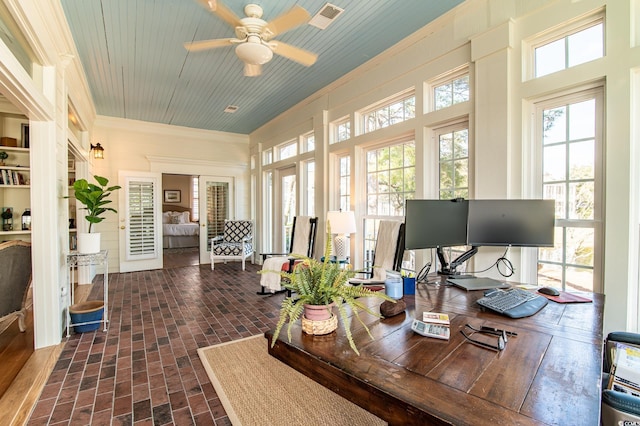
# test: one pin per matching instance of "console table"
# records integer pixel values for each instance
(549, 373)
(75, 259)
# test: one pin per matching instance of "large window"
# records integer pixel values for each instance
(396, 110)
(576, 46)
(309, 168)
(453, 158)
(570, 141)
(344, 171)
(391, 180)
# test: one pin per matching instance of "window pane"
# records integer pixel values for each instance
(410, 179)
(446, 147)
(409, 155)
(461, 174)
(446, 175)
(554, 163)
(372, 204)
(586, 45)
(582, 118)
(579, 279)
(550, 58)
(461, 90)
(581, 201)
(461, 144)
(553, 254)
(383, 158)
(396, 113)
(582, 160)
(580, 246)
(554, 125)
(371, 161)
(443, 96)
(550, 275)
(396, 156)
(410, 108)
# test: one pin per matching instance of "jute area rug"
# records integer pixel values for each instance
(257, 389)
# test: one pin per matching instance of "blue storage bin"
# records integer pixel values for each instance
(90, 311)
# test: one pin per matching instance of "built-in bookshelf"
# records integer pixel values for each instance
(15, 185)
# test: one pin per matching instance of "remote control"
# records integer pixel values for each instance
(431, 330)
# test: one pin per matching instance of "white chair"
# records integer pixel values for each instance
(387, 255)
(303, 238)
(236, 242)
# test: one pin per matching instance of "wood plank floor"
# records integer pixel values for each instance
(145, 368)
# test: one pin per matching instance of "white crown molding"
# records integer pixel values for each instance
(170, 130)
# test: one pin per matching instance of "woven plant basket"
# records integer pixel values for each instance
(318, 328)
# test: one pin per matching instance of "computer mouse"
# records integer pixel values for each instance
(550, 291)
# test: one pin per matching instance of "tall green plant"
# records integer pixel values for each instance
(94, 197)
(323, 283)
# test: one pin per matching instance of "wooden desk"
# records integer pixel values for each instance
(549, 374)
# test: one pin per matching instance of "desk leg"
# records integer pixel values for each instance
(106, 293)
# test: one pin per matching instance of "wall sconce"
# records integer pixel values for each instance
(98, 151)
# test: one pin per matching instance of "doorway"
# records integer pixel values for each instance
(180, 220)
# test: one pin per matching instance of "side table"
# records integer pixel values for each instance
(75, 259)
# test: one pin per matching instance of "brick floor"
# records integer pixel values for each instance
(145, 369)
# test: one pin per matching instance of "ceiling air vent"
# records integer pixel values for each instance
(231, 109)
(325, 16)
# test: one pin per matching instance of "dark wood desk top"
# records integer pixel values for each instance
(549, 374)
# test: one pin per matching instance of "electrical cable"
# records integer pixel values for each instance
(502, 260)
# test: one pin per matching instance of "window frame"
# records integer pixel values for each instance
(443, 79)
(557, 33)
(581, 94)
(336, 125)
(361, 115)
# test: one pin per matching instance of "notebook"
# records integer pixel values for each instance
(477, 283)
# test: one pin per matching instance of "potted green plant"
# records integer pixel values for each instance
(322, 285)
(3, 156)
(95, 199)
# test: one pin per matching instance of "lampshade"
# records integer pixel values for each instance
(341, 222)
(254, 53)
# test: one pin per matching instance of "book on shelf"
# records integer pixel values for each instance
(435, 318)
(625, 369)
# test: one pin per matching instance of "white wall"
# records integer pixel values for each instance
(488, 37)
(140, 146)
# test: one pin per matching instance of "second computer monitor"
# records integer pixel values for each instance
(520, 223)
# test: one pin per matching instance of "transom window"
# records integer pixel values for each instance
(287, 150)
(341, 130)
(308, 142)
(571, 145)
(267, 157)
(392, 111)
(451, 92)
(577, 47)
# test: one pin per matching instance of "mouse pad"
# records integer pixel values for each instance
(565, 297)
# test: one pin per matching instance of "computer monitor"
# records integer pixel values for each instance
(435, 223)
(518, 223)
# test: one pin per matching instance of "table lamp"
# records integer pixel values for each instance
(342, 224)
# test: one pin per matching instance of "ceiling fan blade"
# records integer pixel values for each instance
(252, 70)
(197, 46)
(226, 14)
(296, 54)
(288, 20)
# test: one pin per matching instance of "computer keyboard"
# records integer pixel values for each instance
(515, 302)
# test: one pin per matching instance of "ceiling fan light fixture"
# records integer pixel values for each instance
(254, 53)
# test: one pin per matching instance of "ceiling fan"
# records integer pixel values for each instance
(254, 45)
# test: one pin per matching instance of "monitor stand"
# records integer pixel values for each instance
(449, 269)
